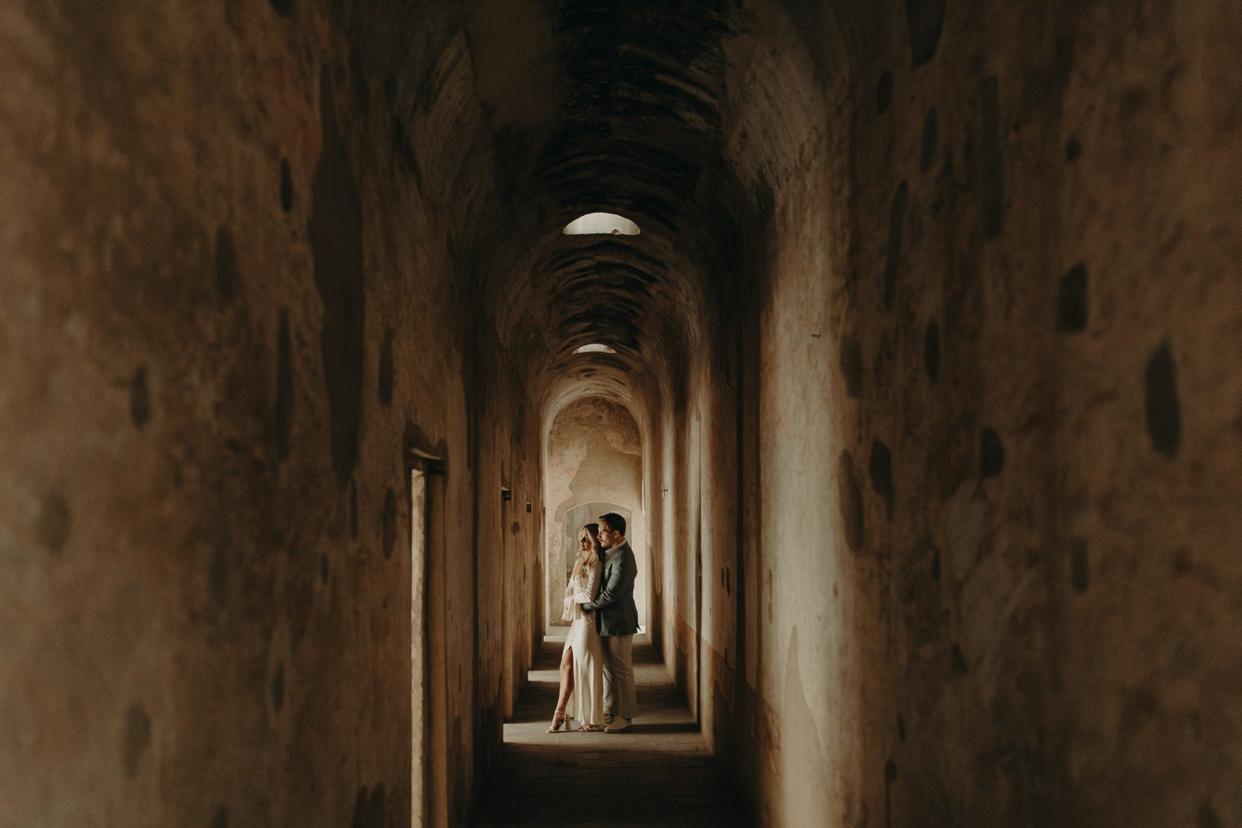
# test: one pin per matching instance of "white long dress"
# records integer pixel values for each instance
(586, 702)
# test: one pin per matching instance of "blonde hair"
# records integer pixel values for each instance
(592, 558)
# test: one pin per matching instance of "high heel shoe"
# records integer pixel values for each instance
(558, 719)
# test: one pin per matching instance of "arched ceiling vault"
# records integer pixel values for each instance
(632, 123)
(536, 112)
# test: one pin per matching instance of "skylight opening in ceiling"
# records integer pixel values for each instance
(607, 224)
(594, 348)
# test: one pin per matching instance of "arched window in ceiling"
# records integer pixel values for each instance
(594, 348)
(601, 223)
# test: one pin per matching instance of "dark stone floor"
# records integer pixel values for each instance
(659, 773)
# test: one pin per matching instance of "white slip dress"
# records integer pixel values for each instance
(586, 702)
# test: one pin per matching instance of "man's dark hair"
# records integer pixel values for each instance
(615, 522)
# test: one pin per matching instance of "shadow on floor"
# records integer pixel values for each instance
(657, 773)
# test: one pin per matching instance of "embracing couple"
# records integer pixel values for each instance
(597, 671)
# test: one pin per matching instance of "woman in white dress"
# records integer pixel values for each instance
(582, 660)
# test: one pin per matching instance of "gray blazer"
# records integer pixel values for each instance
(615, 610)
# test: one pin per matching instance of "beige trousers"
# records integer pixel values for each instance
(620, 694)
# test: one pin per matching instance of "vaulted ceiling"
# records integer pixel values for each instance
(537, 112)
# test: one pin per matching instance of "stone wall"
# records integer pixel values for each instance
(232, 307)
(990, 575)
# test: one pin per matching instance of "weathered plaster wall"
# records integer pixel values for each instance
(509, 578)
(594, 455)
(682, 482)
(654, 508)
(989, 573)
(232, 306)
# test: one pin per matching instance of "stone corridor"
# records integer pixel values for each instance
(906, 335)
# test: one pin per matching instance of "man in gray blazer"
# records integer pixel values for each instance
(616, 618)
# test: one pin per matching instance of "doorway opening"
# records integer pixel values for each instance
(418, 647)
(577, 517)
(427, 790)
(592, 465)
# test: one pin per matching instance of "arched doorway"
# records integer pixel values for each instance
(593, 466)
